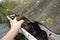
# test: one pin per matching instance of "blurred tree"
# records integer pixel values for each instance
(0, 19)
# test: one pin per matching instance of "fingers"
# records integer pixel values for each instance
(21, 21)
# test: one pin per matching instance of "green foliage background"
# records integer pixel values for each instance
(6, 9)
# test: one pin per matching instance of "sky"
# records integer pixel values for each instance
(1, 1)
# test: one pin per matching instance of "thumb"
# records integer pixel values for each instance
(9, 19)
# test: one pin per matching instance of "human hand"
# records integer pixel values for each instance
(15, 25)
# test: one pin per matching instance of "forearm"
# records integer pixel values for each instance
(10, 35)
(15, 26)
